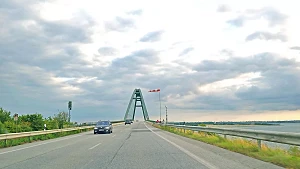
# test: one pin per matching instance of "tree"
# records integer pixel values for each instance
(61, 118)
(3, 130)
(4, 116)
(51, 123)
(36, 121)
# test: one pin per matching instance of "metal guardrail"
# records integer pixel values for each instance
(271, 136)
(35, 133)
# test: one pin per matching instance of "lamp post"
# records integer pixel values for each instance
(159, 106)
(158, 90)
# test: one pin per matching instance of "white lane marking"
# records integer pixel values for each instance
(95, 146)
(114, 136)
(37, 145)
(200, 160)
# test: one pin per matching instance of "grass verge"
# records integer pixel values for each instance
(23, 140)
(285, 158)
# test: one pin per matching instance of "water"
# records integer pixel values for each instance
(283, 127)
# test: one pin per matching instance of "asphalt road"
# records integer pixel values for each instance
(132, 146)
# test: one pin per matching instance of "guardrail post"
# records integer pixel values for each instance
(225, 136)
(5, 142)
(29, 139)
(259, 144)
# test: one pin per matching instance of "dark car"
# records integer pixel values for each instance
(127, 122)
(103, 127)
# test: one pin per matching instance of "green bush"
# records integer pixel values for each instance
(3, 130)
(202, 125)
(32, 122)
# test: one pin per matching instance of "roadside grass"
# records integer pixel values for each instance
(284, 158)
(23, 140)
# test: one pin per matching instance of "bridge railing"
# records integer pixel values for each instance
(271, 136)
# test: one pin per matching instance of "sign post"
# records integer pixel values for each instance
(16, 117)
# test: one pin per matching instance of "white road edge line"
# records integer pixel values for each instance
(37, 145)
(200, 160)
(114, 136)
(94, 146)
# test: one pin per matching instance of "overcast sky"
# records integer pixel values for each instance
(213, 60)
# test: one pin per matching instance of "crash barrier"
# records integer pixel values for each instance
(271, 136)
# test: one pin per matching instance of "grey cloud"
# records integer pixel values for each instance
(256, 63)
(295, 48)
(108, 51)
(17, 10)
(279, 74)
(67, 32)
(119, 24)
(137, 59)
(238, 22)
(227, 52)
(223, 8)
(272, 15)
(283, 93)
(152, 36)
(45, 44)
(267, 36)
(135, 12)
(186, 51)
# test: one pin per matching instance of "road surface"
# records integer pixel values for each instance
(138, 145)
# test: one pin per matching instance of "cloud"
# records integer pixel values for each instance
(66, 32)
(186, 51)
(276, 83)
(135, 12)
(119, 24)
(152, 36)
(271, 15)
(266, 36)
(295, 48)
(238, 22)
(108, 51)
(137, 59)
(50, 45)
(227, 52)
(223, 8)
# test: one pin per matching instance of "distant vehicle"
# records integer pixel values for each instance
(103, 127)
(128, 122)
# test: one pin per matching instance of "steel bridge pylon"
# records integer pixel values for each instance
(136, 97)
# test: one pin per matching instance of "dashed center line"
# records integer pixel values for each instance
(94, 146)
